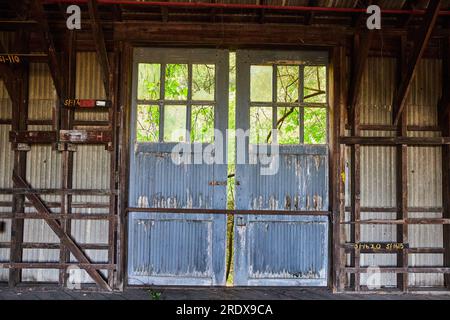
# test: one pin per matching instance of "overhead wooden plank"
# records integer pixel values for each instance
(421, 42)
(100, 45)
(66, 239)
(229, 34)
(47, 41)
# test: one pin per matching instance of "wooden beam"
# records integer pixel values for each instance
(67, 119)
(421, 42)
(361, 48)
(445, 126)
(402, 180)
(100, 45)
(393, 141)
(337, 160)
(7, 75)
(65, 238)
(444, 102)
(19, 122)
(48, 43)
(309, 17)
(229, 34)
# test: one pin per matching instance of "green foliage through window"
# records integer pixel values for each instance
(260, 125)
(149, 80)
(288, 126)
(175, 123)
(176, 84)
(315, 126)
(147, 123)
(261, 83)
(315, 84)
(202, 124)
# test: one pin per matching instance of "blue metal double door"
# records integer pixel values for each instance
(175, 245)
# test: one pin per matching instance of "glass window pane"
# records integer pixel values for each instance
(149, 80)
(315, 85)
(315, 126)
(203, 82)
(288, 125)
(147, 123)
(174, 123)
(176, 84)
(287, 83)
(261, 83)
(260, 125)
(202, 124)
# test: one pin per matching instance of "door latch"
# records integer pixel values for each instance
(240, 221)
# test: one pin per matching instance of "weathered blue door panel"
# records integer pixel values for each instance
(280, 250)
(177, 248)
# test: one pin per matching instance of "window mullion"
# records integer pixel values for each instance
(274, 103)
(189, 104)
(162, 93)
(301, 94)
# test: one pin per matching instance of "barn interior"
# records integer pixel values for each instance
(90, 196)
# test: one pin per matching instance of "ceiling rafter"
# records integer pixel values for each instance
(361, 49)
(444, 102)
(309, 18)
(100, 44)
(421, 42)
(7, 75)
(48, 43)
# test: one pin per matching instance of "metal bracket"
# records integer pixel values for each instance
(21, 147)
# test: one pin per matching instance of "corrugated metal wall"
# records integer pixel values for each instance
(91, 169)
(378, 167)
(6, 161)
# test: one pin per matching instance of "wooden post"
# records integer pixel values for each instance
(337, 154)
(113, 90)
(66, 123)
(124, 138)
(445, 124)
(402, 179)
(19, 122)
(355, 232)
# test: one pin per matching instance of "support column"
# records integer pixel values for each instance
(19, 122)
(355, 228)
(66, 123)
(402, 180)
(445, 124)
(337, 160)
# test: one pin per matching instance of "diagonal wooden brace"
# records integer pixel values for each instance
(66, 239)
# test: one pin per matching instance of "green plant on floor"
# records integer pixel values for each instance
(154, 295)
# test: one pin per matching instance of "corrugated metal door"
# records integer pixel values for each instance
(175, 90)
(282, 249)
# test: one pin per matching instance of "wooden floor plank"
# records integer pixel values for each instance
(207, 294)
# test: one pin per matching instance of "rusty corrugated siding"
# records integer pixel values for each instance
(5, 103)
(425, 94)
(89, 84)
(42, 93)
(377, 91)
(378, 166)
